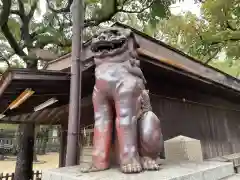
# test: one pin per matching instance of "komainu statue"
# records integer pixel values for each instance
(121, 100)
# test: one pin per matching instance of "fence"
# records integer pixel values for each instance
(36, 176)
(8, 145)
(87, 140)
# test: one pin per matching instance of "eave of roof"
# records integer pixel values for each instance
(229, 77)
(45, 84)
(173, 49)
(156, 41)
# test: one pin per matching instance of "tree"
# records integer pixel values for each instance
(185, 32)
(27, 37)
(213, 38)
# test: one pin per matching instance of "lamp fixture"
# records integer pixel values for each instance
(21, 98)
(45, 104)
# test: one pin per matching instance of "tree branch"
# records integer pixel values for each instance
(32, 10)
(97, 21)
(11, 40)
(212, 56)
(100, 19)
(63, 10)
(41, 43)
(229, 26)
(5, 29)
(2, 58)
(16, 12)
(5, 12)
(21, 11)
(25, 35)
(140, 11)
(224, 36)
(21, 7)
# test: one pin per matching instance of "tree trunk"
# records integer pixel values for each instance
(45, 140)
(23, 170)
(63, 141)
(35, 155)
(36, 144)
(1, 151)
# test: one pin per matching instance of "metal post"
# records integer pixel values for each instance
(72, 155)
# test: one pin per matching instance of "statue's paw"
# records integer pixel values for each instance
(132, 167)
(149, 164)
(92, 168)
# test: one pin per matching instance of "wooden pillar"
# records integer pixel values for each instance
(63, 144)
(72, 155)
(24, 169)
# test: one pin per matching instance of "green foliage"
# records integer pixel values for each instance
(206, 38)
(216, 31)
(54, 31)
(160, 9)
(15, 26)
(231, 68)
(8, 126)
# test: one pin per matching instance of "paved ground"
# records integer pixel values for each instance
(51, 161)
(234, 177)
(169, 171)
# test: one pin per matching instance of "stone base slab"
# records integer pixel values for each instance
(208, 170)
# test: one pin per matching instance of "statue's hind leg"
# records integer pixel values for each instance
(150, 140)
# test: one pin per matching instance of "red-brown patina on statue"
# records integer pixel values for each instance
(120, 91)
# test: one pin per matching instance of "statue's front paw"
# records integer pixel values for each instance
(133, 166)
(149, 164)
(92, 168)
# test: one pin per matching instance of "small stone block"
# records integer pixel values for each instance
(183, 148)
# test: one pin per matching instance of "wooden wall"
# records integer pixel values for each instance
(186, 111)
(217, 129)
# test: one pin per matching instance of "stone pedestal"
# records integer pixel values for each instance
(183, 148)
(169, 171)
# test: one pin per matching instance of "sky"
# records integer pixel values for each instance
(186, 5)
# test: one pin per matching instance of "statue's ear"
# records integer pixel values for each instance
(135, 42)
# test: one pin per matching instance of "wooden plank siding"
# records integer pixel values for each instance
(218, 130)
(216, 127)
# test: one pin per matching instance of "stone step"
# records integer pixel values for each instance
(86, 152)
(88, 147)
(208, 170)
(86, 158)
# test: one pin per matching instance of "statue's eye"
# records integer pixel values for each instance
(115, 32)
(95, 36)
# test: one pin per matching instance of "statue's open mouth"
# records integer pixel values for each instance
(107, 46)
(110, 42)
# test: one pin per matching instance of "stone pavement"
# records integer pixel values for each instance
(234, 177)
(208, 170)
